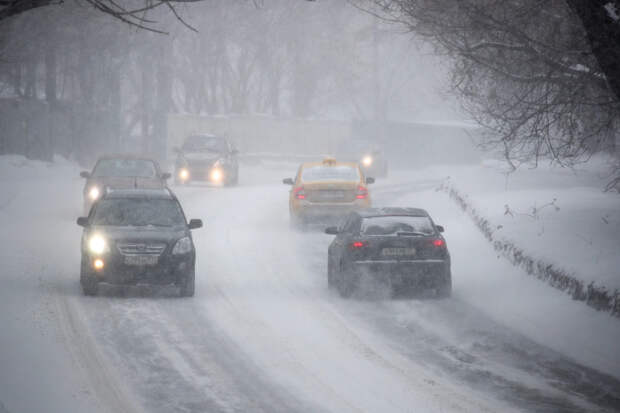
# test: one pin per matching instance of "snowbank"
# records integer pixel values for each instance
(555, 223)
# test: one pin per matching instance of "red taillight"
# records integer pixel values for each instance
(358, 244)
(299, 192)
(362, 192)
(439, 243)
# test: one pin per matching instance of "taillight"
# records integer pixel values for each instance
(358, 244)
(362, 192)
(439, 242)
(299, 192)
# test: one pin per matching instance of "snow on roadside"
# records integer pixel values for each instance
(505, 292)
(557, 214)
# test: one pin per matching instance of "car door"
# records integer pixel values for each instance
(343, 238)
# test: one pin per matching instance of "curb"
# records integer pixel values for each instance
(597, 297)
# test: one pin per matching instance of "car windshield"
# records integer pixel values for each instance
(138, 212)
(392, 225)
(204, 144)
(330, 173)
(142, 168)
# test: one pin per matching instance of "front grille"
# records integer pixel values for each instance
(135, 248)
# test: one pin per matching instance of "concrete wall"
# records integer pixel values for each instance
(263, 134)
(406, 144)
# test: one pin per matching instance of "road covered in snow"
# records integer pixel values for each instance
(264, 333)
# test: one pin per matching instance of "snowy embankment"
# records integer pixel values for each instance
(554, 223)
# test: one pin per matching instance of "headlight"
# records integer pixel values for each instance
(216, 175)
(183, 246)
(94, 193)
(367, 160)
(97, 244)
(183, 174)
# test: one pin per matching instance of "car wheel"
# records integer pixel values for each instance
(296, 223)
(90, 284)
(346, 282)
(330, 273)
(187, 284)
(445, 289)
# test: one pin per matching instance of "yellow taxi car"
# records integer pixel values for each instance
(325, 191)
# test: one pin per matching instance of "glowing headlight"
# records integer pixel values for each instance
(94, 193)
(216, 175)
(98, 264)
(97, 244)
(367, 160)
(184, 174)
(183, 246)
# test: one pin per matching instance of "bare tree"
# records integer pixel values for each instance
(538, 76)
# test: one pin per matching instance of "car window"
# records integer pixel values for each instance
(392, 225)
(138, 212)
(352, 225)
(142, 168)
(330, 173)
(200, 143)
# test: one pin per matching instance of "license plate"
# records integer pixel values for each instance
(332, 194)
(141, 259)
(398, 252)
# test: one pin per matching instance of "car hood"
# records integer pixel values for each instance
(126, 182)
(144, 234)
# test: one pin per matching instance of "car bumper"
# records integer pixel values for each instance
(315, 211)
(168, 270)
(423, 273)
(201, 173)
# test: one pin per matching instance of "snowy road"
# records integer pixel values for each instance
(263, 332)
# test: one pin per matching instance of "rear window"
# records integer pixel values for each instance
(392, 225)
(330, 173)
(142, 168)
(139, 212)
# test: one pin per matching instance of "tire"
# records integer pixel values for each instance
(89, 282)
(187, 285)
(297, 224)
(330, 273)
(346, 282)
(445, 289)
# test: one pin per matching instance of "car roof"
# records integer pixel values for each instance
(203, 135)
(392, 211)
(164, 193)
(126, 156)
(329, 163)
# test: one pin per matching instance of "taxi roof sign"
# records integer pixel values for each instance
(329, 161)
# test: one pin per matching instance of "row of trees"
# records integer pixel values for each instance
(542, 76)
(274, 57)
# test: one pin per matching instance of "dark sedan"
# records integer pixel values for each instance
(121, 172)
(206, 158)
(399, 247)
(138, 236)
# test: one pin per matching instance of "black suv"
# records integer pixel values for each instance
(138, 236)
(207, 158)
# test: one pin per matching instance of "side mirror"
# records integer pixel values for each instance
(234, 151)
(85, 174)
(194, 223)
(370, 180)
(288, 181)
(165, 175)
(331, 230)
(440, 228)
(82, 221)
